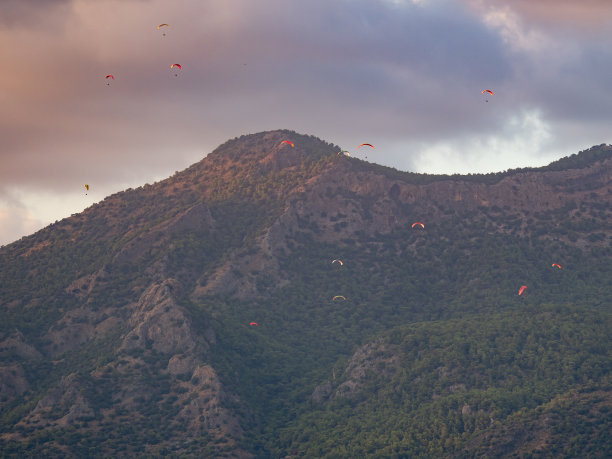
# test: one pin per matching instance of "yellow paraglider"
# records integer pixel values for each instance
(86, 187)
(163, 25)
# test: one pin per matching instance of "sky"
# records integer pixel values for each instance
(404, 75)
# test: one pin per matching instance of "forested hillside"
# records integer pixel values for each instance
(276, 300)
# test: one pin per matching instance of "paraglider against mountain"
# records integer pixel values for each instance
(337, 261)
(418, 224)
(289, 142)
(556, 265)
(522, 289)
(339, 298)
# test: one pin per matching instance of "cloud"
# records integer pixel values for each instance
(585, 16)
(15, 218)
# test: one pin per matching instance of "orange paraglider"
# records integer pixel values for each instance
(366, 145)
(522, 289)
(556, 265)
(418, 224)
(178, 66)
(487, 91)
(288, 142)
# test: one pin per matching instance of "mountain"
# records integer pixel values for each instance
(203, 315)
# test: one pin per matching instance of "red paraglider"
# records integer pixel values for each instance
(522, 289)
(556, 265)
(253, 324)
(288, 141)
(366, 145)
(418, 224)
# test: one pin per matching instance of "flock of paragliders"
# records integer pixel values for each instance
(177, 67)
(416, 225)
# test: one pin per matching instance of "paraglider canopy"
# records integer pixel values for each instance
(253, 324)
(337, 261)
(486, 91)
(556, 265)
(366, 145)
(522, 289)
(339, 298)
(288, 142)
(163, 25)
(107, 77)
(176, 66)
(418, 224)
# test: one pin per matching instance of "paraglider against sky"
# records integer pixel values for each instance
(109, 80)
(163, 27)
(522, 289)
(86, 187)
(365, 145)
(175, 67)
(487, 91)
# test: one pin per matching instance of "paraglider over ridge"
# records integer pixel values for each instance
(339, 298)
(288, 142)
(418, 224)
(366, 145)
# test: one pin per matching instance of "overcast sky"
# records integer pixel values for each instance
(405, 76)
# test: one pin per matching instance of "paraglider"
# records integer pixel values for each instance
(86, 187)
(253, 324)
(337, 261)
(178, 66)
(487, 91)
(418, 224)
(366, 145)
(556, 265)
(107, 79)
(522, 289)
(163, 25)
(339, 297)
(288, 141)
(344, 152)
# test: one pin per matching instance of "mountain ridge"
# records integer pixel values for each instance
(134, 317)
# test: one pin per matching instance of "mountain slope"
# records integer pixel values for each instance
(127, 327)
